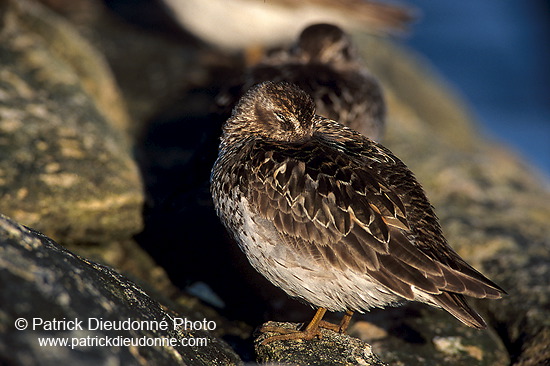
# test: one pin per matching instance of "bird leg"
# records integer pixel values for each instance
(342, 327)
(345, 321)
(312, 330)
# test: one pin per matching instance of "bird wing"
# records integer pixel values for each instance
(343, 213)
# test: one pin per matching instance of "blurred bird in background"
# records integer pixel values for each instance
(239, 24)
(324, 62)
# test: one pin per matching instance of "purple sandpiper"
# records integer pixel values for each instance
(331, 217)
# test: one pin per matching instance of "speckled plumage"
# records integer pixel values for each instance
(331, 217)
(324, 63)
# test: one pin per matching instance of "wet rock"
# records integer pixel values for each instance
(331, 349)
(42, 280)
(65, 163)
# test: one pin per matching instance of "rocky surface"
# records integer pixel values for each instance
(419, 335)
(42, 280)
(65, 164)
(66, 168)
(330, 349)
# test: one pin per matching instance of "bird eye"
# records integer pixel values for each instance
(285, 122)
(280, 116)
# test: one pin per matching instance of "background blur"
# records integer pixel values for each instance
(497, 54)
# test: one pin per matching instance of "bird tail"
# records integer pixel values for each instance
(457, 306)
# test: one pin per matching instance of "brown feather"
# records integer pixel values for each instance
(459, 308)
(340, 203)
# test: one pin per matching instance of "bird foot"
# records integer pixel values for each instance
(330, 326)
(340, 328)
(286, 334)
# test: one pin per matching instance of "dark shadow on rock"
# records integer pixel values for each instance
(182, 232)
(42, 280)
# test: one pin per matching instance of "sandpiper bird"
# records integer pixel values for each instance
(239, 24)
(324, 63)
(331, 217)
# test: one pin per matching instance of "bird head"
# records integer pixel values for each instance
(325, 43)
(275, 111)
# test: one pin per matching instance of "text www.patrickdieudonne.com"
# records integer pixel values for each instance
(75, 326)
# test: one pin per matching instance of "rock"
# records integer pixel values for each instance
(494, 210)
(65, 163)
(413, 335)
(42, 280)
(419, 335)
(331, 349)
(154, 62)
(64, 49)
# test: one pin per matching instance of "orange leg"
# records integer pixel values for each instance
(342, 327)
(345, 321)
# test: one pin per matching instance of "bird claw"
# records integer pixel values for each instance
(280, 330)
(286, 334)
(330, 326)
